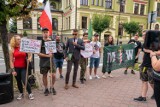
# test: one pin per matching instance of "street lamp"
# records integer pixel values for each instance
(120, 2)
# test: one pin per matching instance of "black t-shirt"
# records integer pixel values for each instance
(107, 44)
(146, 60)
(44, 61)
(60, 50)
(137, 45)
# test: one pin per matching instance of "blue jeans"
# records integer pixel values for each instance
(58, 62)
(94, 62)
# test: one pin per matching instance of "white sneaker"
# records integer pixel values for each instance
(97, 76)
(31, 96)
(110, 76)
(103, 76)
(20, 96)
(90, 77)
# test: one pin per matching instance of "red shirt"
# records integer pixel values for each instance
(19, 58)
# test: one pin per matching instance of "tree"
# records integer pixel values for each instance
(15, 9)
(100, 23)
(13, 26)
(25, 34)
(132, 28)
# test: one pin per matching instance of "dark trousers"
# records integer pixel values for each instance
(21, 77)
(157, 92)
(69, 68)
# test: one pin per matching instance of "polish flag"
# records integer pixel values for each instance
(45, 19)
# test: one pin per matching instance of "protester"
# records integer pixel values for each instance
(138, 46)
(110, 42)
(95, 58)
(18, 64)
(145, 74)
(59, 56)
(45, 64)
(83, 61)
(156, 67)
(72, 55)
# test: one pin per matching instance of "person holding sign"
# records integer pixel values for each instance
(72, 56)
(84, 60)
(95, 58)
(18, 66)
(110, 42)
(45, 66)
(59, 55)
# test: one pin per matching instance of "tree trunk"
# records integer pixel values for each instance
(100, 37)
(130, 37)
(4, 40)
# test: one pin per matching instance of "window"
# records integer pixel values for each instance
(122, 6)
(27, 23)
(69, 20)
(54, 24)
(84, 2)
(66, 23)
(92, 2)
(108, 4)
(97, 2)
(136, 8)
(120, 30)
(53, 5)
(142, 9)
(101, 2)
(157, 27)
(38, 24)
(84, 22)
(158, 9)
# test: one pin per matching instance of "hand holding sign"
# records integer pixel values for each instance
(50, 47)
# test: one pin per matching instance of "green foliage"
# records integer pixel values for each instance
(13, 26)
(132, 27)
(100, 22)
(25, 34)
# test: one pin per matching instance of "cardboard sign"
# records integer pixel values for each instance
(88, 50)
(30, 45)
(50, 47)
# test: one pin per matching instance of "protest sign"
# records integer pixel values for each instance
(88, 50)
(116, 57)
(50, 47)
(30, 45)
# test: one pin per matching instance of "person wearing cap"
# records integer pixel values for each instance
(138, 47)
(45, 63)
(72, 56)
(95, 58)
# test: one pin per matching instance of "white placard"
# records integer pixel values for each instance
(50, 47)
(88, 51)
(30, 45)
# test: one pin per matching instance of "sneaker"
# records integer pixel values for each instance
(97, 77)
(153, 97)
(125, 72)
(54, 91)
(61, 76)
(20, 96)
(31, 96)
(111, 76)
(103, 76)
(132, 72)
(140, 99)
(90, 77)
(46, 92)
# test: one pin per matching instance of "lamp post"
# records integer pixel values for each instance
(120, 2)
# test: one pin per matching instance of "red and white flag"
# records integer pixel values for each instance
(45, 19)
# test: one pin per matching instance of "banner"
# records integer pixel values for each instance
(88, 51)
(116, 57)
(30, 45)
(50, 47)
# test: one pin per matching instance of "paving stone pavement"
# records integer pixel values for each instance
(111, 92)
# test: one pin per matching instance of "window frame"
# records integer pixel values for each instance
(25, 23)
(107, 2)
(84, 23)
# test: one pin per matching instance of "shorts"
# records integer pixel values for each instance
(94, 62)
(58, 63)
(146, 74)
(45, 70)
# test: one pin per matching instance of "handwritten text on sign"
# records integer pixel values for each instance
(30, 45)
(88, 50)
(50, 47)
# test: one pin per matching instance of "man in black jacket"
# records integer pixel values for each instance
(72, 55)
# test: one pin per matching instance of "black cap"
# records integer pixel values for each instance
(45, 29)
(96, 34)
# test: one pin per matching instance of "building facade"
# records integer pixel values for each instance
(71, 14)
